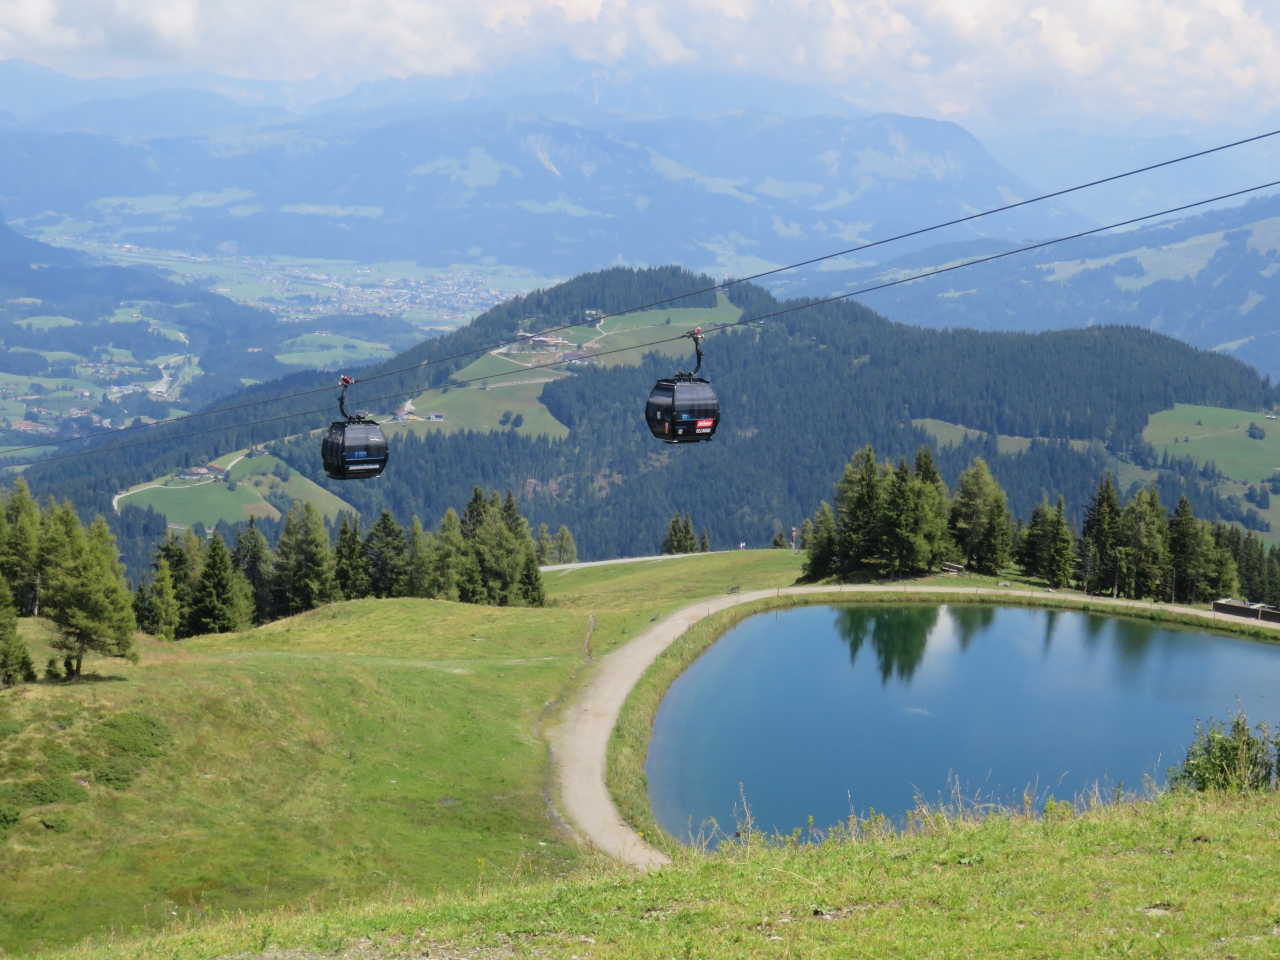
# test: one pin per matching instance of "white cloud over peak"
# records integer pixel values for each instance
(1112, 60)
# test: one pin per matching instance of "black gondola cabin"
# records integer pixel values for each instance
(684, 408)
(354, 448)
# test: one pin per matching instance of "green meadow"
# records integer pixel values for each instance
(361, 748)
(187, 502)
(1218, 434)
(473, 408)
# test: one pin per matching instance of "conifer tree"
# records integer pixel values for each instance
(531, 589)
(88, 600)
(511, 516)
(688, 540)
(16, 665)
(252, 557)
(1035, 548)
(980, 520)
(1102, 534)
(350, 562)
(420, 579)
(450, 555)
(22, 549)
(387, 553)
(474, 513)
(858, 512)
(935, 510)
(1145, 545)
(705, 545)
(821, 560)
(1062, 550)
(545, 545)
(219, 604)
(60, 531)
(163, 606)
(304, 562)
(806, 534)
(903, 545)
(566, 551)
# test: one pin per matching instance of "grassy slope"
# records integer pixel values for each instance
(185, 502)
(482, 410)
(1218, 434)
(1185, 877)
(324, 757)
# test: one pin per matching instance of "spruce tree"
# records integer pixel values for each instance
(1144, 532)
(1102, 535)
(89, 601)
(511, 516)
(820, 562)
(216, 606)
(1062, 550)
(350, 563)
(252, 557)
(387, 554)
(688, 541)
(705, 545)
(304, 562)
(672, 541)
(420, 579)
(165, 611)
(474, 513)
(531, 589)
(935, 510)
(806, 534)
(859, 495)
(902, 545)
(16, 665)
(1035, 549)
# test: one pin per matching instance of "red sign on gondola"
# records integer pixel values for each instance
(706, 423)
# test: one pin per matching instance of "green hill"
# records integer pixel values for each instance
(370, 777)
(362, 746)
(255, 490)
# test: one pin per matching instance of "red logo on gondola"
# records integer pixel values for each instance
(706, 423)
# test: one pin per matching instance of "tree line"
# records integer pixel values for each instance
(487, 556)
(901, 520)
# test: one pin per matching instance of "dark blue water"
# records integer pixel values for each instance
(824, 711)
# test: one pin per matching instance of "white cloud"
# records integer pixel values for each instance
(1112, 60)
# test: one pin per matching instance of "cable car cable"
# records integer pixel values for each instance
(720, 286)
(639, 346)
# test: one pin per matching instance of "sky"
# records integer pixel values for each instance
(1100, 63)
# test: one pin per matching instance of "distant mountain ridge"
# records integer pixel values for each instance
(1211, 280)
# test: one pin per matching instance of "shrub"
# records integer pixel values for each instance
(1228, 756)
(55, 789)
(136, 734)
(113, 772)
(55, 822)
(9, 815)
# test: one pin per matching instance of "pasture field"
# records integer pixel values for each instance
(317, 350)
(1218, 434)
(359, 749)
(471, 408)
(46, 323)
(1183, 876)
(953, 434)
(187, 502)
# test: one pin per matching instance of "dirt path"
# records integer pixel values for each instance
(580, 743)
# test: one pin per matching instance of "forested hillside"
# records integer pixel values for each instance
(799, 393)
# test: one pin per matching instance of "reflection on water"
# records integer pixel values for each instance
(897, 634)
(823, 710)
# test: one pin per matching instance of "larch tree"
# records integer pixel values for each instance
(163, 606)
(253, 558)
(88, 600)
(304, 562)
(16, 665)
(566, 551)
